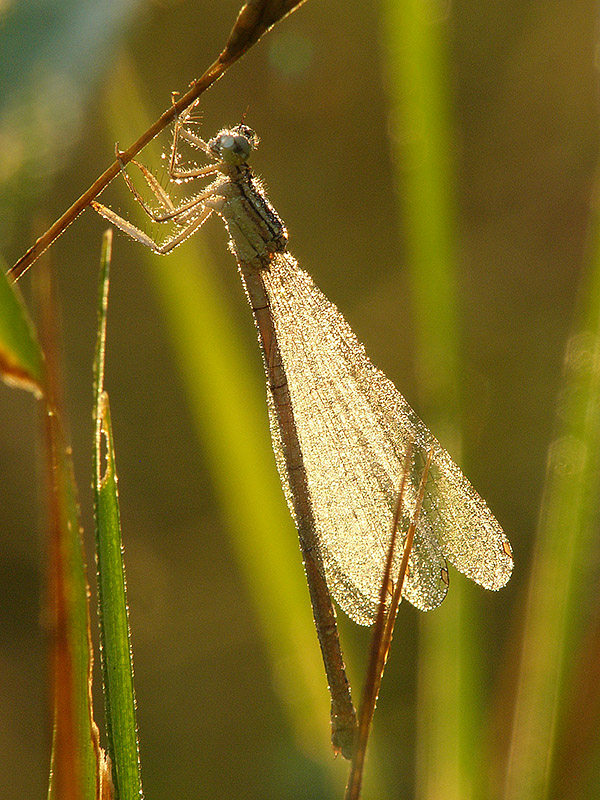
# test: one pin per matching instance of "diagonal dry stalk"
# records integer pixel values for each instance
(383, 630)
(255, 18)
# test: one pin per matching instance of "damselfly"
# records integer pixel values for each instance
(340, 428)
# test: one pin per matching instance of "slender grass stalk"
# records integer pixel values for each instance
(115, 645)
(383, 631)
(75, 749)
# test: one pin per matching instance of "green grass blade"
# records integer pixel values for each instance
(417, 82)
(115, 644)
(563, 584)
(74, 752)
(229, 409)
(73, 762)
(21, 360)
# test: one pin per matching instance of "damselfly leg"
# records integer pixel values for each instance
(187, 217)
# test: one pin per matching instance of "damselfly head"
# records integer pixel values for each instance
(234, 145)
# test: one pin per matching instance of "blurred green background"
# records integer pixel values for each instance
(217, 714)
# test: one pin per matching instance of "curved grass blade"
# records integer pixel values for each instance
(21, 359)
(115, 645)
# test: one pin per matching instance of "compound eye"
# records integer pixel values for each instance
(242, 146)
(235, 149)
